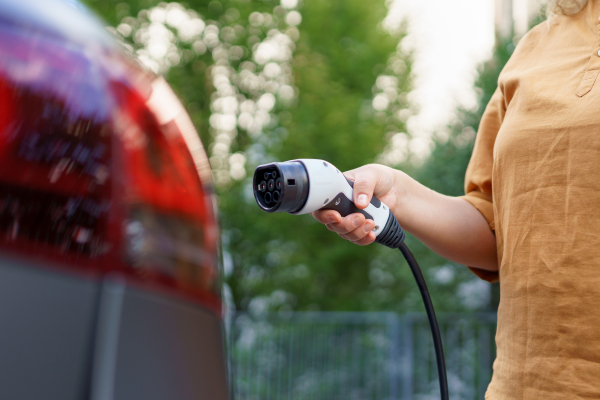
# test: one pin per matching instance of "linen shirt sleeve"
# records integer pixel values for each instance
(478, 180)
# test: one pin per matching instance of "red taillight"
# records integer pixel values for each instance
(100, 167)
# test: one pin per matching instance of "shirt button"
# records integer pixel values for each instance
(598, 53)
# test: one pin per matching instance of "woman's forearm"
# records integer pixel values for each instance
(450, 226)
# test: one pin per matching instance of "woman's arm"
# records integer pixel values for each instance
(449, 226)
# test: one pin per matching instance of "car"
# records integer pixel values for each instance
(109, 256)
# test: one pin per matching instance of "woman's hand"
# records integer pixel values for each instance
(369, 180)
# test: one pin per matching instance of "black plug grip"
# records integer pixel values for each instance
(345, 206)
(392, 235)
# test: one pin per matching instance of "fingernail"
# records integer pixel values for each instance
(368, 228)
(332, 219)
(356, 221)
(362, 199)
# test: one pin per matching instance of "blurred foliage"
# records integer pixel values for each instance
(350, 81)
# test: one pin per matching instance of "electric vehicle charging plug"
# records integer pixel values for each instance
(306, 185)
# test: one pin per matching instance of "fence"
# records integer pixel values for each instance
(348, 356)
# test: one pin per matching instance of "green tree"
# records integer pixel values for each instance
(267, 81)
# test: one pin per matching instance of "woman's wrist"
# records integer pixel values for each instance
(406, 196)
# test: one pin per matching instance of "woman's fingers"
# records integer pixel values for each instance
(355, 229)
(347, 224)
(327, 216)
(368, 239)
(368, 180)
(334, 221)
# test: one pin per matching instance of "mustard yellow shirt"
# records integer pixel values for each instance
(535, 177)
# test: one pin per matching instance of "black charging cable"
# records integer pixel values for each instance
(393, 237)
(435, 330)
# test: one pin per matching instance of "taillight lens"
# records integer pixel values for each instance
(55, 150)
(101, 169)
(169, 225)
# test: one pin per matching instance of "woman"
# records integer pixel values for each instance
(531, 214)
